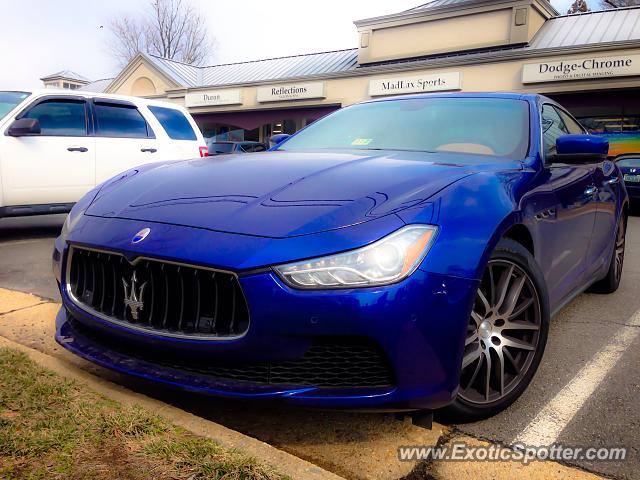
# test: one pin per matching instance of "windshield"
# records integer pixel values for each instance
(9, 101)
(484, 126)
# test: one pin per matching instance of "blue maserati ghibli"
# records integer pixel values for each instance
(400, 254)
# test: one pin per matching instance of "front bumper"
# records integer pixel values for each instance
(418, 324)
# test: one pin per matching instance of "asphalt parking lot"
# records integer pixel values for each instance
(586, 393)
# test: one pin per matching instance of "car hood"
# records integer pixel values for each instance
(282, 194)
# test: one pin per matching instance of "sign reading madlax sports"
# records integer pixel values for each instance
(581, 69)
(291, 91)
(415, 84)
(213, 97)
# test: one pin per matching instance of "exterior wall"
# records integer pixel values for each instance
(437, 36)
(450, 29)
(131, 84)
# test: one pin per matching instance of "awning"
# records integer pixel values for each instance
(256, 118)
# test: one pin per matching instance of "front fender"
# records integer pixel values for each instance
(473, 215)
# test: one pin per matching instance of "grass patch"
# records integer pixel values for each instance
(53, 428)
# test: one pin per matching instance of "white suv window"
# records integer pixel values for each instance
(120, 121)
(60, 117)
(174, 122)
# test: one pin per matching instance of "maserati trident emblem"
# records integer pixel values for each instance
(141, 235)
(133, 296)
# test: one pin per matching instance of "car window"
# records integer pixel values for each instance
(120, 121)
(60, 117)
(174, 122)
(258, 147)
(492, 126)
(633, 162)
(221, 147)
(572, 126)
(9, 101)
(552, 127)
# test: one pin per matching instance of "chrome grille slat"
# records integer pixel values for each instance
(167, 298)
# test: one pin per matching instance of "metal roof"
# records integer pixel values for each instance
(589, 28)
(98, 86)
(67, 74)
(272, 69)
(282, 68)
(443, 3)
(603, 27)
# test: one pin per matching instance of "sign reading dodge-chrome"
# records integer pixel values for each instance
(581, 69)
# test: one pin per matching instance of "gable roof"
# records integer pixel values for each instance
(99, 86)
(67, 75)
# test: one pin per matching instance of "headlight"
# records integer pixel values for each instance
(388, 260)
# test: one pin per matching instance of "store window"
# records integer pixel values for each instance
(611, 123)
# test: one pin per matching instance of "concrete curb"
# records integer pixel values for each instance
(13, 302)
(284, 462)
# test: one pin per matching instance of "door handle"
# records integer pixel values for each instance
(592, 190)
(149, 150)
(612, 181)
(78, 149)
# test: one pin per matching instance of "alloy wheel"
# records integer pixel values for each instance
(502, 335)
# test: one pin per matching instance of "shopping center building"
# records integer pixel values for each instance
(589, 62)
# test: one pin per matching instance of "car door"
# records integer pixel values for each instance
(574, 214)
(607, 182)
(56, 166)
(124, 139)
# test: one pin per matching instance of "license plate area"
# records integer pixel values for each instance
(632, 178)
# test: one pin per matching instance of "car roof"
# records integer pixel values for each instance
(39, 92)
(531, 97)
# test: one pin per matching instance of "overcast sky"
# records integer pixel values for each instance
(40, 37)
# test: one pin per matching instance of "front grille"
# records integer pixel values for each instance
(332, 362)
(154, 295)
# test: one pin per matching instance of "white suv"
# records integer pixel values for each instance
(57, 145)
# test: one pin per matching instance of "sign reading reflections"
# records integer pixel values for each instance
(581, 69)
(213, 97)
(291, 91)
(417, 84)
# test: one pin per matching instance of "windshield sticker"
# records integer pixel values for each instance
(361, 142)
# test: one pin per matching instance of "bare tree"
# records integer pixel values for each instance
(610, 4)
(578, 6)
(172, 29)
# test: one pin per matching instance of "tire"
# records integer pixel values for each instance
(611, 281)
(509, 324)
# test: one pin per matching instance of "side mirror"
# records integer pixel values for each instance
(580, 149)
(279, 138)
(24, 127)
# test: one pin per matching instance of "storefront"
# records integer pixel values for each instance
(589, 62)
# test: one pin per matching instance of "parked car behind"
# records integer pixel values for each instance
(222, 148)
(630, 167)
(55, 146)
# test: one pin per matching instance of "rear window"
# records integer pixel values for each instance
(118, 121)
(174, 122)
(221, 148)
